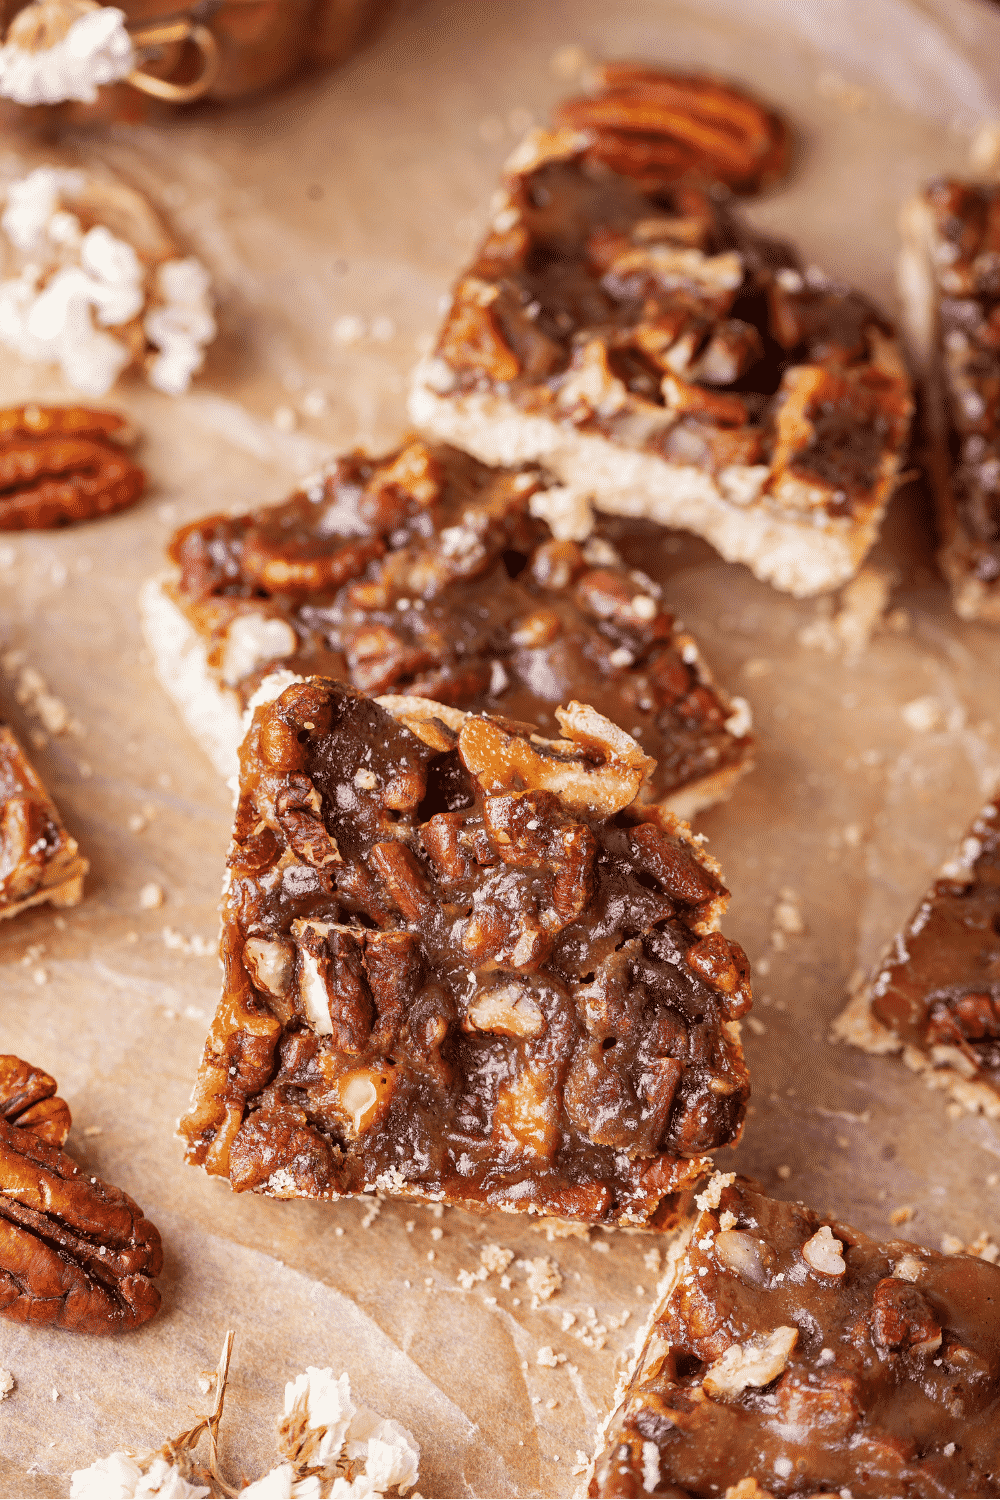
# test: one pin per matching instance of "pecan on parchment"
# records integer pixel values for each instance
(60, 464)
(28, 1099)
(74, 1251)
(657, 127)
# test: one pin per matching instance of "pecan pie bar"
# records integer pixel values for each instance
(40, 861)
(462, 963)
(792, 1355)
(950, 285)
(661, 359)
(935, 996)
(425, 572)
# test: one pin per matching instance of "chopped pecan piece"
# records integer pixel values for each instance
(723, 964)
(488, 997)
(706, 405)
(756, 1381)
(74, 1251)
(902, 1318)
(473, 339)
(290, 566)
(670, 860)
(299, 810)
(63, 464)
(658, 127)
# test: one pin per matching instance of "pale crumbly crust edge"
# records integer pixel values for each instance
(798, 556)
(678, 1242)
(213, 714)
(858, 1025)
(211, 711)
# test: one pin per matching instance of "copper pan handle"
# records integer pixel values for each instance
(165, 34)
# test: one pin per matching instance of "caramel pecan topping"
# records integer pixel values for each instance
(427, 573)
(954, 229)
(63, 464)
(657, 127)
(504, 989)
(636, 307)
(759, 1377)
(74, 1251)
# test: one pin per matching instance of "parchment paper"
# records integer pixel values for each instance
(357, 197)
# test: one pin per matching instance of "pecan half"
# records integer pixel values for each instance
(60, 464)
(28, 1099)
(658, 127)
(74, 1251)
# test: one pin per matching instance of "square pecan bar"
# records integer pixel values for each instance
(426, 572)
(463, 963)
(950, 286)
(663, 360)
(791, 1355)
(935, 995)
(41, 862)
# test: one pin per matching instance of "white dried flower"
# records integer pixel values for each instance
(324, 1437)
(327, 1405)
(111, 1478)
(119, 1477)
(166, 1482)
(94, 50)
(73, 287)
(181, 326)
(379, 1453)
(281, 1484)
